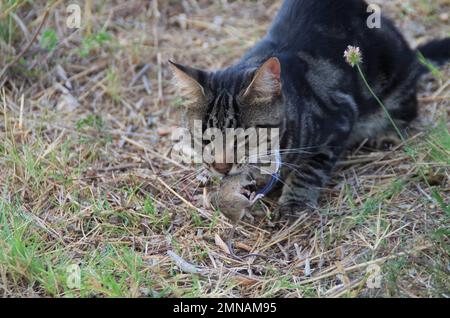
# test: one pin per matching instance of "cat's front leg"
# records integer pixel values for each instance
(307, 177)
(303, 185)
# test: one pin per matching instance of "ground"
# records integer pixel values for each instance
(92, 205)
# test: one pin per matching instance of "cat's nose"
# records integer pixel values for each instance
(222, 168)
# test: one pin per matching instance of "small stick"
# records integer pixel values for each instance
(153, 152)
(233, 254)
(365, 264)
(139, 74)
(4, 110)
(27, 47)
(160, 99)
(120, 167)
(183, 265)
(22, 100)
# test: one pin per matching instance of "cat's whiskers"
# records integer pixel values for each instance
(293, 167)
(299, 151)
(270, 173)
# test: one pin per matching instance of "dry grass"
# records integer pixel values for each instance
(86, 179)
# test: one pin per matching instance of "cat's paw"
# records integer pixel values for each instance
(291, 212)
(385, 141)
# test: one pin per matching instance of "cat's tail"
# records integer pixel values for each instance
(436, 52)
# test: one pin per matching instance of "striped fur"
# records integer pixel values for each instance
(296, 79)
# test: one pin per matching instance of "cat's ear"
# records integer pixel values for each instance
(266, 83)
(189, 81)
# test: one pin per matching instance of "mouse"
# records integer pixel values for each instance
(233, 198)
(235, 201)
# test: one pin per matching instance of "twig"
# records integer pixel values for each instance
(183, 265)
(120, 167)
(153, 152)
(139, 75)
(366, 264)
(27, 47)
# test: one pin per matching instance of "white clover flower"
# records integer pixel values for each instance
(353, 55)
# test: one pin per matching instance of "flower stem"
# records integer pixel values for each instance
(380, 102)
(411, 154)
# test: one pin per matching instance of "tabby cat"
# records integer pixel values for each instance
(297, 80)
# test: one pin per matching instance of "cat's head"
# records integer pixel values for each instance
(238, 97)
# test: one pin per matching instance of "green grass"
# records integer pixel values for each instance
(431, 67)
(92, 42)
(49, 40)
(30, 258)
